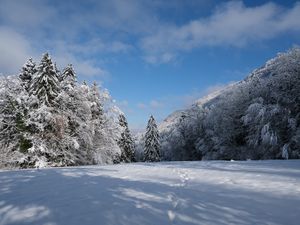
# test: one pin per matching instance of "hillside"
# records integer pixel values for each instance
(256, 118)
(214, 192)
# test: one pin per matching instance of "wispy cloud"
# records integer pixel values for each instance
(26, 14)
(231, 24)
(33, 27)
(89, 29)
(84, 67)
(109, 27)
(15, 50)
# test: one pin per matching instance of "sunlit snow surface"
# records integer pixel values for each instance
(211, 192)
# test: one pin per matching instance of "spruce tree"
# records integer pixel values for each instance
(152, 145)
(97, 118)
(68, 76)
(45, 84)
(27, 72)
(96, 106)
(125, 142)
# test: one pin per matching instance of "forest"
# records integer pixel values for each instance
(47, 118)
(256, 118)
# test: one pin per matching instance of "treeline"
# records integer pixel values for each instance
(257, 118)
(47, 118)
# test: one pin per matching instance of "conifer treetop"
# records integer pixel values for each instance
(152, 145)
(28, 70)
(69, 74)
(45, 83)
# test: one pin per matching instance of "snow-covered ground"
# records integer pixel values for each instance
(211, 192)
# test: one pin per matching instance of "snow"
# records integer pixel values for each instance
(205, 192)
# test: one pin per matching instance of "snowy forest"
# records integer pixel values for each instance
(256, 118)
(47, 118)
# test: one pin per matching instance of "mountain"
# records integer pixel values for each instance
(256, 118)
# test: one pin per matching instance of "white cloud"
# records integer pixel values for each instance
(86, 68)
(42, 26)
(232, 24)
(82, 67)
(15, 50)
(93, 29)
(27, 14)
(164, 57)
(97, 45)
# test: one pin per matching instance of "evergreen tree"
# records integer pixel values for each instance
(152, 145)
(46, 125)
(14, 142)
(68, 76)
(27, 72)
(125, 142)
(96, 106)
(45, 84)
(97, 117)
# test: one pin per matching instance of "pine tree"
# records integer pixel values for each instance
(96, 106)
(45, 84)
(68, 76)
(125, 142)
(27, 72)
(152, 145)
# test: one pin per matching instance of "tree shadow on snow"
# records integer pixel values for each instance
(79, 196)
(287, 168)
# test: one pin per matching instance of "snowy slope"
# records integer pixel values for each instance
(207, 192)
(215, 126)
(172, 120)
(264, 72)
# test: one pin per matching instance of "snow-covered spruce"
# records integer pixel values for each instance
(126, 142)
(68, 77)
(45, 83)
(27, 72)
(48, 119)
(152, 145)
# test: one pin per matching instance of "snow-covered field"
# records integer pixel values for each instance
(211, 192)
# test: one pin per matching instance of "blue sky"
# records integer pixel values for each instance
(153, 56)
